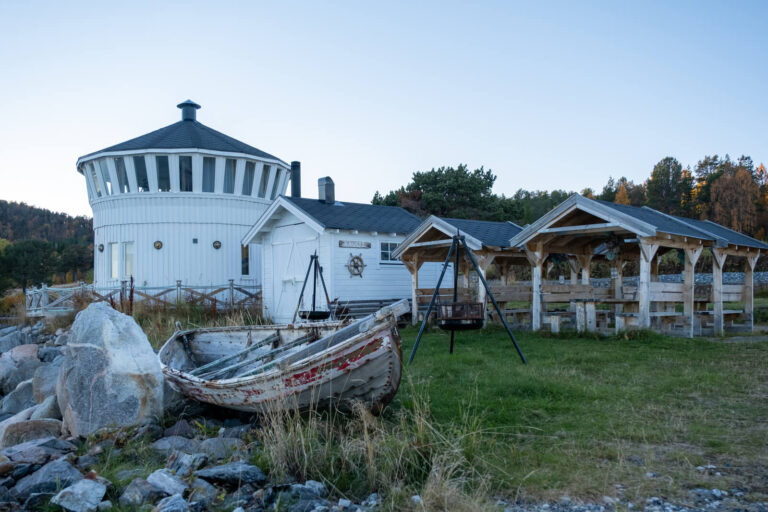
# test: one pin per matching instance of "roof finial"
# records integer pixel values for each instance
(188, 109)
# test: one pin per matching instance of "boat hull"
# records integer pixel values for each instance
(365, 368)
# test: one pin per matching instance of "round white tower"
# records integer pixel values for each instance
(174, 204)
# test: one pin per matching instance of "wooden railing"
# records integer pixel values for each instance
(64, 299)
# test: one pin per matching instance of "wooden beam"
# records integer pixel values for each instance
(718, 262)
(689, 282)
(582, 229)
(647, 252)
(536, 256)
(749, 289)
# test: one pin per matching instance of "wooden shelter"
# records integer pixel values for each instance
(431, 240)
(581, 230)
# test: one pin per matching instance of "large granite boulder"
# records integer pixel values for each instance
(24, 431)
(110, 376)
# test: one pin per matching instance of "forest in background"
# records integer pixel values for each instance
(41, 246)
(733, 193)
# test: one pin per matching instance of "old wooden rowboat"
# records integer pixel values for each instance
(299, 366)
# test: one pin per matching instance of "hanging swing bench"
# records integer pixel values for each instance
(460, 316)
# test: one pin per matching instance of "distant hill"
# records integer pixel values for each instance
(20, 221)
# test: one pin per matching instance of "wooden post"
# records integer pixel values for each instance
(483, 262)
(536, 257)
(749, 289)
(231, 294)
(647, 252)
(44, 299)
(585, 260)
(573, 265)
(617, 275)
(412, 264)
(689, 281)
(718, 262)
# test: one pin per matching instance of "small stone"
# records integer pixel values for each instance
(181, 428)
(82, 496)
(49, 478)
(372, 500)
(718, 494)
(173, 503)
(86, 462)
(139, 492)
(218, 448)
(416, 499)
(344, 503)
(233, 474)
(37, 500)
(651, 474)
(202, 492)
(184, 464)
(48, 409)
(166, 445)
(104, 505)
(29, 430)
(166, 481)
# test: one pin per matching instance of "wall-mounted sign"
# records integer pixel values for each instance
(354, 244)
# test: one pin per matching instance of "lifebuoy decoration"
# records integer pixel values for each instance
(355, 265)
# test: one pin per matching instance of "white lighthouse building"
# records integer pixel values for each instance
(174, 205)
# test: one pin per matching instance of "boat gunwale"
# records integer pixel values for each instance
(388, 322)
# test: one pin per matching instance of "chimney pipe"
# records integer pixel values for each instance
(326, 190)
(295, 179)
(188, 109)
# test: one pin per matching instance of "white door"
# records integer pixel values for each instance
(292, 247)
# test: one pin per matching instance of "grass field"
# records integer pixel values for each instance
(587, 414)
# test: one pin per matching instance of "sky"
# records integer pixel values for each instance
(549, 95)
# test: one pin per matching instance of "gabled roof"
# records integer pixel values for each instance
(643, 221)
(725, 234)
(357, 216)
(660, 221)
(477, 233)
(187, 134)
(489, 233)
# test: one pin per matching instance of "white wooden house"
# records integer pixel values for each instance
(354, 242)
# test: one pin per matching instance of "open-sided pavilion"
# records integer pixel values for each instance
(582, 230)
(488, 241)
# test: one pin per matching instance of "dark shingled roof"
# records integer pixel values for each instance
(703, 229)
(662, 222)
(491, 234)
(729, 235)
(362, 217)
(187, 134)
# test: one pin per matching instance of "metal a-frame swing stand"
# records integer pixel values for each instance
(314, 314)
(457, 244)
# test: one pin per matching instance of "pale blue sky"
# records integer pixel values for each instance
(547, 94)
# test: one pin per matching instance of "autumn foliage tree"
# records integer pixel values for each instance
(734, 199)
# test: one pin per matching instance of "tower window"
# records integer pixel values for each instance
(264, 181)
(142, 181)
(114, 261)
(129, 255)
(229, 176)
(250, 171)
(105, 176)
(95, 180)
(185, 173)
(122, 176)
(163, 174)
(209, 174)
(276, 184)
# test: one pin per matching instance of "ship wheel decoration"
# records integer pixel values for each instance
(355, 265)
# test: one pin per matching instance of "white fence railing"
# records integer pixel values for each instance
(63, 299)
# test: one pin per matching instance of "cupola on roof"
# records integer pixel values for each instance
(188, 133)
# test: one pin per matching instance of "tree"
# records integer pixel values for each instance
(665, 188)
(622, 197)
(28, 262)
(734, 196)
